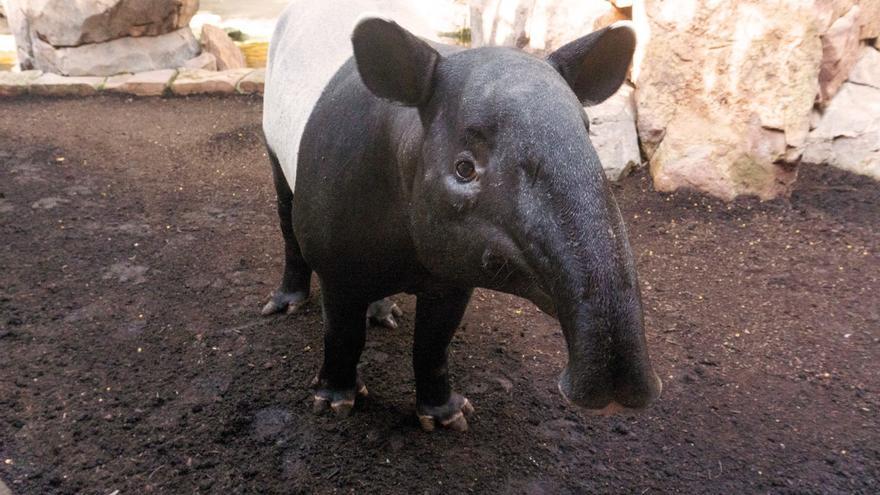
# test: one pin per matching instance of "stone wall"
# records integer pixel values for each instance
(729, 96)
(102, 37)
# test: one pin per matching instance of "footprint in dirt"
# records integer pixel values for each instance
(126, 272)
(6, 206)
(49, 203)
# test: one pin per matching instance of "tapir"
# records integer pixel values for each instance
(403, 165)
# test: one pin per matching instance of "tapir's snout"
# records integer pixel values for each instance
(607, 400)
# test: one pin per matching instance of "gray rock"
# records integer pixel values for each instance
(867, 69)
(65, 23)
(167, 51)
(848, 135)
(614, 135)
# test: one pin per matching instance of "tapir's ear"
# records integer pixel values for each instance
(394, 63)
(595, 66)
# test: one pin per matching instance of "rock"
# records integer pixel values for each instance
(118, 56)
(205, 61)
(114, 83)
(725, 94)
(848, 135)
(198, 81)
(152, 83)
(63, 23)
(216, 42)
(840, 50)
(54, 85)
(870, 19)
(253, 83)
(867, 69)
(17, 83)
(541, 26)
(613, 133)
(4, 490)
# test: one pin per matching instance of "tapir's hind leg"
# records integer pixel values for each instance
(294, 289)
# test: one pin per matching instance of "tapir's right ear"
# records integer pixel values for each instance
(394, 63)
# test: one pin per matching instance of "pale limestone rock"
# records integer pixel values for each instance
(73, 23)
(152, 83)
(204, 61)
(848, 134)
(840, 50)
(113, 83)
(17, 83)
(540, 25)
(867, 69)
(54, 85)
(613, 133)
(253, 83)
(216, 42)
(725, 94)
(118, 56)
(198, 81)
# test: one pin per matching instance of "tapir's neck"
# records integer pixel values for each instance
(405, 138)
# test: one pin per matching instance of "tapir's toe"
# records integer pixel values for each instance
(384, 313)
(340, 401)
(280, 301)
(451, 415)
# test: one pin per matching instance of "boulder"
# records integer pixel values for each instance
(613, 133)
(253, 83)
(840, 50)
(205, 61)
(848, 133)
(538, 25)
(66, 23)
(118, 56)
(867, 70)
(17, 83)
(54, 85)
(725, 93)
(59, 28)
(216, 42)
(199, 81)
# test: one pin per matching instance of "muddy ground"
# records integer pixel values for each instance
(138, 240)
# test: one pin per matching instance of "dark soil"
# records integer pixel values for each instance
(138, 241)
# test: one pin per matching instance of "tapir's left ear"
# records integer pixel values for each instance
(394, 63)
(595, 66)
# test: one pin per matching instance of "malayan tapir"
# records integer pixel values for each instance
(403, 165)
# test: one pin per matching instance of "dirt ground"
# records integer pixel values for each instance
(138, 240)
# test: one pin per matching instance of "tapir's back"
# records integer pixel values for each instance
(311, 42)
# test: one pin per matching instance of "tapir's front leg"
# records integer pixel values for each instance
(337, 384)
(438, 314)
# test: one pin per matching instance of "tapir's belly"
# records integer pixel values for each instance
(311, 42)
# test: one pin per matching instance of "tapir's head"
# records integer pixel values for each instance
(508, 192)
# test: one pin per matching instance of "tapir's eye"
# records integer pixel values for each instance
(465, 170)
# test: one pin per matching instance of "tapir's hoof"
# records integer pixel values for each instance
(384, 313)
(280, 301)
(450, 415)
(340, 401)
